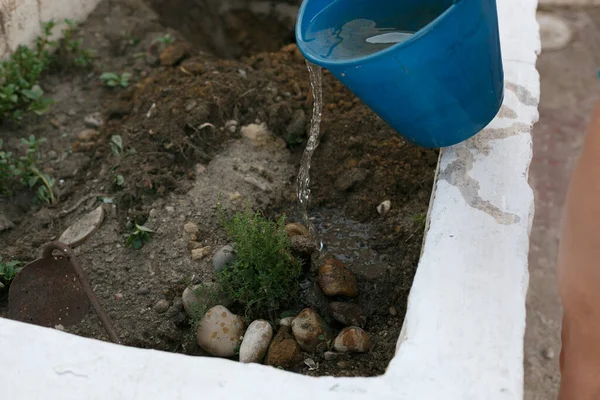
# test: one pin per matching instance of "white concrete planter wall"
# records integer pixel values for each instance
(463, 333)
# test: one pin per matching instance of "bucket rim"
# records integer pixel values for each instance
(358, 61)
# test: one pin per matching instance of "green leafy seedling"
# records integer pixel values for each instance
(112, 79)
(8, 270)
(166, 39)
(116, 144)
(120, 180)
(78, 55)
(139, 237)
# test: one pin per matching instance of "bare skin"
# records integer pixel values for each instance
(579, 275)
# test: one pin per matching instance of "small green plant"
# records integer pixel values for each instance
(80, 56)
(138, 237)
(112, 79)
(20, 91)
(8, 270)
(264, 278)
(25, 171)
(419, 219)
(116, 144)
(28, 172)
(119, 180)
(166, 39)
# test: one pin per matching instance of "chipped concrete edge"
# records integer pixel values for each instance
(21, 20)
(463, 333)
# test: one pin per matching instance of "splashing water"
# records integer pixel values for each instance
(303, 182)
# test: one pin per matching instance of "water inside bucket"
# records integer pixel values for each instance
(345, 30)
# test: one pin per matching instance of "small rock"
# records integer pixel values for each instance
(52, 154)
(549, 354)
(5, 223)
(393, 311)
(199, 254)
(224, 256)
(87, 135)
(256, 342)
(337, 280)
(259, 183)
(219, 332)
(287, 321)
(170, 209)
(193, 245)
(303, 246)
(207, 294)
(83, 228)
(330, 356)
(193, 66)
(231, 126)
(190, 105)
(93, 120)
(173, 54)
(296, 229)
(142, 291)
(235, 196)
(191, 228)
(161, 306)
(284, 351)
(59, 327)
(348, 314)
(384, 207)
(349, 179)
(311, 364)
(342, 364)
(352, 340)
(119, 296)
(310, 331)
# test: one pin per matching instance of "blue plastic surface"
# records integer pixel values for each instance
(438, 88)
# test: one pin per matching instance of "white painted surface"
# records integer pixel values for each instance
(463, 333)
(20, 20)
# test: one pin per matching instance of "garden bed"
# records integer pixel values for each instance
(180, 121)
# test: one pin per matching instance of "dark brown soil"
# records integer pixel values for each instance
(180, 156)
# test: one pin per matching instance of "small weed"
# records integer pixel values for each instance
(138, 237)
(120, 180)
(8, 270)
(116, 145)
(29, 174)
(420, 219)
(166, 39)
(80, 56)
(265, 276)
(112, 79)
(25, 171)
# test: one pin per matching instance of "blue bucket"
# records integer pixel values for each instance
(439, 87)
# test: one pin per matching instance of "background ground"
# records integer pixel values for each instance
(570, 89)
